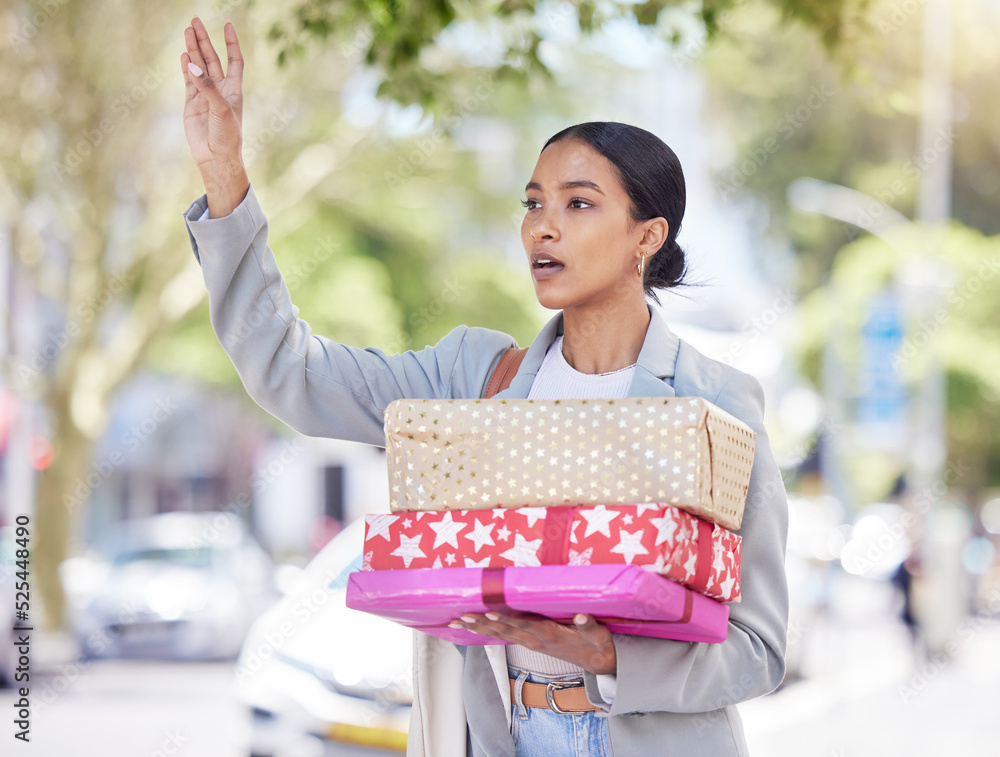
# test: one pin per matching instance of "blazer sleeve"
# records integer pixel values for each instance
(656, 675)
(313, 384)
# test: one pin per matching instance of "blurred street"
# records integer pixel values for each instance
(867, 693)
(123, 708)
(128, 708)
(860, 696)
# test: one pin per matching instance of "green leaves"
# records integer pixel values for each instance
(395, 36)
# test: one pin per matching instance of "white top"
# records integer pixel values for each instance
(557, 379)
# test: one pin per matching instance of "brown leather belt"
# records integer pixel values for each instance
(564, 698)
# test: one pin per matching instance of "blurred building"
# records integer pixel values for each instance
(174, 445)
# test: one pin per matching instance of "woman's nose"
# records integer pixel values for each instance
(544, 226)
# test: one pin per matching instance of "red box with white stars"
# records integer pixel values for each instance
(659, 538)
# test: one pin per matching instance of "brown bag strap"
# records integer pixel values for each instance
(505, 371)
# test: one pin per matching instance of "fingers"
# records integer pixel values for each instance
(533, 633)
(603, 658)
(190, 90)
(234, 66)
(193, 51)
(486, 625)
(208, 53)
(590, 630)
(585, 642)
(205, 84)
(585, 624)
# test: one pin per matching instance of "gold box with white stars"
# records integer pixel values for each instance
(484, 454)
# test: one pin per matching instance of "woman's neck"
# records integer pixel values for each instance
(601, 341)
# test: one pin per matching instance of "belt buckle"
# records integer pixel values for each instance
(550, 690)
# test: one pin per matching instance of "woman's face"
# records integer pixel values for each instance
(581, 243)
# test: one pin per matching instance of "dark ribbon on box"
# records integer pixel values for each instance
(703, 562)
(495, 599)
(555, 535)
(493, 593)
(555, 544)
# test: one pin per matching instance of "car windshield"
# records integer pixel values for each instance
(195, 557)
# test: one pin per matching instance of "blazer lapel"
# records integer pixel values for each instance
(654, 373)
(654, 370)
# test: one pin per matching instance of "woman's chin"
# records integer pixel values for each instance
(550, 301)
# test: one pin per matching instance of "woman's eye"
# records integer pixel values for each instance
(530, 204)
(579, 204)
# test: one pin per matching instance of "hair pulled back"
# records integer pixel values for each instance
(651, 176)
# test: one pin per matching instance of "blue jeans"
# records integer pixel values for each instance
(543, 733)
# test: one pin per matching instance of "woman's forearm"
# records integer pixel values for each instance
(226, 187)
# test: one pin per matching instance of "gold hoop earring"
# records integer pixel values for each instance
(639, 267)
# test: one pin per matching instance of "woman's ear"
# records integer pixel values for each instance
(655, 234)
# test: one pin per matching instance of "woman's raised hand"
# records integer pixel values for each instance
(213, 116)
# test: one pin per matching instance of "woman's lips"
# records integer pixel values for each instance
(547, 271)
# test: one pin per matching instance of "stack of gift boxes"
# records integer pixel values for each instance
(624, 509)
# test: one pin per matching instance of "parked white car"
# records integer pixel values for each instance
(321, 679)
(176, 586)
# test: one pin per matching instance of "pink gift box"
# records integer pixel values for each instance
(625, 598)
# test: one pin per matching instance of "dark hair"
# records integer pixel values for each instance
(651, 176)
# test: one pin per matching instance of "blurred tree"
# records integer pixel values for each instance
(89, 198)
(785, 110)
(404, 39)
(792, 111)
(948, 282)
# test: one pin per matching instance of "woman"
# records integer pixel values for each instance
(602, 212)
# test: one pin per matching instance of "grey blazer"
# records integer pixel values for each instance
(673, 698)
